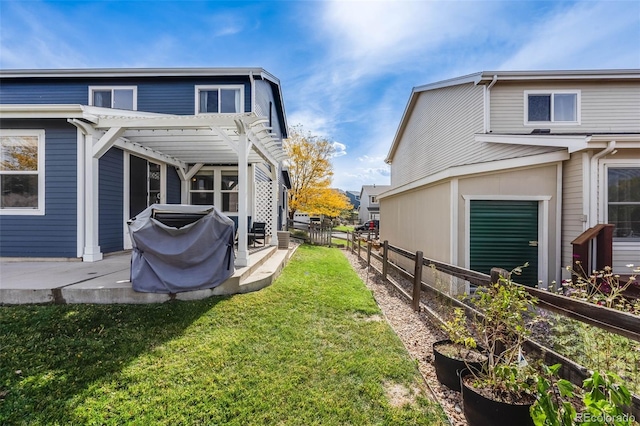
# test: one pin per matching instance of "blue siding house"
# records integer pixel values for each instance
(84, 150)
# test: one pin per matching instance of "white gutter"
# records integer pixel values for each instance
(487, 104)
(593, 189)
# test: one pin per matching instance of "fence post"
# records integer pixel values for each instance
(368, 254)
(385, 258)
(358, 248)
(417, 281)
(496, 273)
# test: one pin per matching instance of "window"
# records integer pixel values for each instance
(219, 99)
(217, 186)
(202, 188)
(119, 97)
(229, 191)
(22, 172)
(373, 199)
(623, 188)
(552, 107)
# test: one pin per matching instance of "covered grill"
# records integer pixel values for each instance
(180, 247)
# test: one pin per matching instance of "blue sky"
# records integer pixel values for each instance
(346, 67)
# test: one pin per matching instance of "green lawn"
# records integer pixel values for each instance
(310, 349)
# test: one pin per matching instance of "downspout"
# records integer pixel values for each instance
(487, 104)
(595, 178)
(253, 91)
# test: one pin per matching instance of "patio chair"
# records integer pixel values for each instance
(258, 230)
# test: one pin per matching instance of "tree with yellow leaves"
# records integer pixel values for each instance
(310, 170)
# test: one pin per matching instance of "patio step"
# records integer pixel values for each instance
(113, 285)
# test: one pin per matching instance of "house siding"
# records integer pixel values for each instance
(440, 134)
(168, 95)
(419, 220)
(605, 107)
(572, 205)
(261, 175)
(173, 186)
(265, 99)
(53, 234)
(111, 203)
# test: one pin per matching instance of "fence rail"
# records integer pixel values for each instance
(611, 320)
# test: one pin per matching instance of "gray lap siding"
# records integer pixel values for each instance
(53, 234)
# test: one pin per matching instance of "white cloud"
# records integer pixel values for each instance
(340, 149)
(226, 24)
(370, 37)
(32, 42)
(592, 35)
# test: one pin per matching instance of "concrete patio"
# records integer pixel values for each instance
(107, 281)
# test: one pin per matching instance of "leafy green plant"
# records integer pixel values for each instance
(603, 396)
(502, 329)
(553, 405)
(459, 334)
(604, 399)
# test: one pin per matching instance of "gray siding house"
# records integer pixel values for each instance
(369, 208)
(502, 168)
(84, 150)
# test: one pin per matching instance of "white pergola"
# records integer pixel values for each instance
(187, 142)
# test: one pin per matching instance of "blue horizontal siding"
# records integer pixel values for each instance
(168, 95)
(54, 234)
(111, 202)
(173, 186)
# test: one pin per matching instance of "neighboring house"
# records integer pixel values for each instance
(369, 208)
(354, 198)
(84, 150)
(502, 168)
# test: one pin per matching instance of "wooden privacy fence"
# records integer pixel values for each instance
(611, 320)
(317, 233)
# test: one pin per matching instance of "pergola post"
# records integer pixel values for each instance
(91, 252)
(243, 226)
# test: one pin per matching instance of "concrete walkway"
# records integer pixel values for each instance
(107, 281)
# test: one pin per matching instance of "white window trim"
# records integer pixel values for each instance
(618, 243)
(551, 93)
(112, 88)
(217, 188)
(25, 211)
(198, 88)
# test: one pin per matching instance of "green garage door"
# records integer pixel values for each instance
(504, 234)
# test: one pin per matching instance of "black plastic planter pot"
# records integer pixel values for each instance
(482, 411)
(448, 369)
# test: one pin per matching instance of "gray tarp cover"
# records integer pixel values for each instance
(196, 256)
